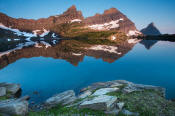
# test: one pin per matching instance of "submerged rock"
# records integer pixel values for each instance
(11, 87)
(102, 102)
(14, 106)
(64, 98)
(2, 91)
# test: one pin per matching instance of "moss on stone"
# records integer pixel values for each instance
(146, 103)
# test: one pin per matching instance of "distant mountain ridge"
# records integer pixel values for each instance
(111, 19)
(151, 29)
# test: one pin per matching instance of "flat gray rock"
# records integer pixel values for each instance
(64, 98)
(2, 91)
(11, 87)
(85, 94)
(102, 102)
(14, 107)
(104, 91)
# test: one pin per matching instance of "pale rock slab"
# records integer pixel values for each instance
(102, 102)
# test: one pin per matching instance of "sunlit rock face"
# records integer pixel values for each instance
(30, 25)
(111, 19)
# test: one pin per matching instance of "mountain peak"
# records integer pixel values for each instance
(73, 7)
(152, 24)
(110, 11)
(151, 29)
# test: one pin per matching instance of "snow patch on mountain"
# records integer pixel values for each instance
(133, 33)
(46, 32)
(75, 20)
(106, 26)
(114, 38)
(17, 32)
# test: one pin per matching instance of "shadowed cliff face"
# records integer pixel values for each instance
(151, 29)
(56, 52)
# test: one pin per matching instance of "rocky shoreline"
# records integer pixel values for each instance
(119, 97)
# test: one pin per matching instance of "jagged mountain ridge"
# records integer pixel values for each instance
(151, 29)
(111, 19)
(111, 15)
(46, 23)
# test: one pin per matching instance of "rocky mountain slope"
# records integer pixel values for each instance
(151, 29)
(111, 19)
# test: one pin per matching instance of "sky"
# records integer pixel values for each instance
(141, 12)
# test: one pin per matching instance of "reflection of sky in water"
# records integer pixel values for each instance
(49, 76)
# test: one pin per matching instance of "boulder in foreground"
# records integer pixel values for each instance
(102, 102)
(11, 87)
(14, 107)
(2, 91)
(64, 98)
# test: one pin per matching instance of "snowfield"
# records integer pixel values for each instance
(108, 26)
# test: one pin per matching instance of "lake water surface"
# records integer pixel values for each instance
(48, 76)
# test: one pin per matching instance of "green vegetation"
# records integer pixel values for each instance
(61, 110)
(78, 31)
(146, 103)
(7, 96)
(3, 98)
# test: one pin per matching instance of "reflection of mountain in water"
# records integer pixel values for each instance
(148, 43)
(56, 52)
